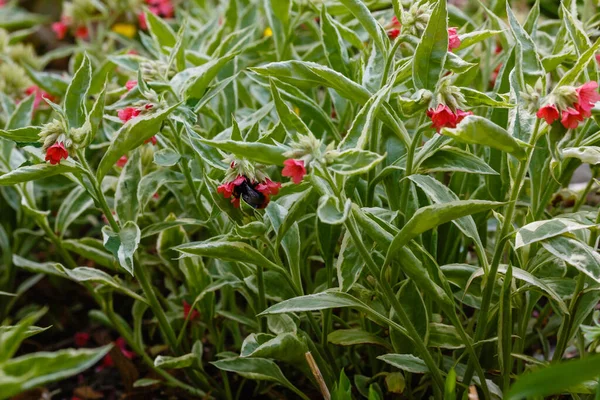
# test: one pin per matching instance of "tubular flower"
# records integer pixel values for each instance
(571, 117)
(56, 152)
(122, 161)
(453, 39)
(587, 95)
(442, 117)
(294, 169)
(548, 112)
(130, 85)
(81, 339)
(255, 194)
(82, 32)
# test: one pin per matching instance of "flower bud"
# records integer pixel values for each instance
(50, 133)
(415, 20)
(82, 136)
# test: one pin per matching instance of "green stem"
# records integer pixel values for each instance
(393, 300)
(410, 157)
(262, 302)
(501, 239)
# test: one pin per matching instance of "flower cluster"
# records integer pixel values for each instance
(247, 182)
(444, 117)
(453, 39)
(61, 28)
(571, 104)
(161, 8)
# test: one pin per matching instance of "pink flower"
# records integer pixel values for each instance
(571, 117)
(549, 112)
(56, 152)
(60, 29)
(82, 32)
(81, 339)
(166, 9)
(442, 117)
(187, 308)
(268, 187)
(128, 113)
(130, 85)
(142, 21)
(294, 169)
(39, 95)
(587, 95)
(453, 39)
(120, 342)
(122, 161)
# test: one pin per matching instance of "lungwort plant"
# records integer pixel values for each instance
(335, 199)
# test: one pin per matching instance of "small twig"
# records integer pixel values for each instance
(317, 373)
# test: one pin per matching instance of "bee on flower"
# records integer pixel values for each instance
(247, 182)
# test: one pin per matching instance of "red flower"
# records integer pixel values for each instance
(56, 152)
(453, 39)
(549, 112)
(393, 33)
(236, 202)
(460, 115)
(142, 21)
(495, 75)
(130, 85)
(82, 32)
(128, 113)
(587, 96)
(81, 339)
(152, 140)
(120, 342)
(268, 187)
(187, 308)
(107, 362)
(227, 188)
(571, 118)
(442, 117)
(60, 29)
(39, 95)
(122, 161)
(395, 21)
(166, 9)
(294, 169)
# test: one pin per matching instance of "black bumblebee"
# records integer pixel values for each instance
(246, 190)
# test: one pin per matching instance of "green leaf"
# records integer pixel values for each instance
(570, 77)
(366, 19)
(166, 157)
(35, 172)
(37, 369)
(352, 337)
(166, 362)
(471, 38)
(75, 204)
(133, 134)
(124, 244)
(333, 44)
(126, 199)
(476, 98)
(286, 347)
(331, 212)
(255, 151)
(292, 122)
(259, 369)
(444, 336)
(161, 32)
(575, 253)
(91, 249)
(28, 134)
(406, 362)
(554, 379)
(193, 82)
(431, 216)
(349, 264)
(527, 54)
(354, 162)
(456, 160)
(541, 230)
(76, 95)
(430, 54)
(587, 154)
(52, 83)
(478, 130)
(450, 385)
(228, 251)
(12, 338)
(150, 184)
(22, 115)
